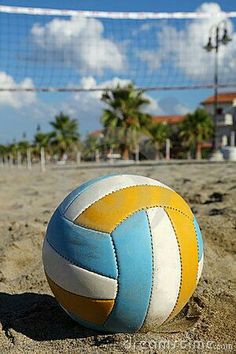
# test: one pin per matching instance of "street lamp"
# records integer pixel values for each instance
(214, 41)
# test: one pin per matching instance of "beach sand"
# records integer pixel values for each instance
(31, 320)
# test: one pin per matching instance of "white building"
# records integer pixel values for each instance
(226, 117)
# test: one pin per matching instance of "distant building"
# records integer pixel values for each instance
(226, 117)
(97, 133)
(172, 120)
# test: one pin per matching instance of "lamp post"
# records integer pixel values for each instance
(214, 41)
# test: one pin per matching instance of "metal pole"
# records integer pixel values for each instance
(19, 160)
(167, 149)
(29, 163)
(10, 160)
(215, 144)
(78, 157)
(42, 159)
(137, 152)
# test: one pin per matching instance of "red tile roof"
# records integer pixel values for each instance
(223, 97)
(170, 119)
(96, 133)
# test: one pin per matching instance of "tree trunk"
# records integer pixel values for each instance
(125, 153)
(97, 156)
(137, 153)
(157, 154)
(199, 151)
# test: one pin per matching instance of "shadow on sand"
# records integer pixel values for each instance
(39, 317)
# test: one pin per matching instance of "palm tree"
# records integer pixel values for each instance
(22, 147)
(158, 132)
(3, 149)
(111, 141)
(3, 152)
(42, 142)
(125, 115)
(92, 145)
(195, 129)
(12, 151)
(65, 135)
(42, 139)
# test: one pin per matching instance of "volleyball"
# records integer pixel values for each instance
(123, 252)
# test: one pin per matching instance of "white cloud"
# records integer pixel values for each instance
(87, 106)
(16, 99)
(80, 43)
(153, 107)
(171, 105)
(181, 109)
(153, 59)
(184, 47)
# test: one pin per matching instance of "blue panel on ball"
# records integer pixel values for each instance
(76, 192)
(133, 246)
(199, 238)
(89, 249)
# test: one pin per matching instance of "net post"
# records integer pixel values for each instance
(42, 160)
(19, 159)
(29, 163)
(167, 149)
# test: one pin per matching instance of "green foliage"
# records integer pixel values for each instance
(23, 145)
(64, 136)
(42, 139)
(3, 149)
(124, 116)
(195, 129)
(158, 133)
(91, 144)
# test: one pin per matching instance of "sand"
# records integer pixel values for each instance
(30, 319)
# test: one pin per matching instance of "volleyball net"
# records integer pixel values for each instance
(65, 50)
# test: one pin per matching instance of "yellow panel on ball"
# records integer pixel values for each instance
(92, 310)
(108, 212)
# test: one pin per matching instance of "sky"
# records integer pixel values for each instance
(22, 112)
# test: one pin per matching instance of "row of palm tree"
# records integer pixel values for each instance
(126, 126)
(125, 118)
(62, 139)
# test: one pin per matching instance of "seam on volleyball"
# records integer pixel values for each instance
(118, 278)
(150, 297)
(123, 188)
(181, 267)
(71, 292)
(146, 208)
(64, 211)
(197, 251)
(131, 214)
(84, 190)
(116, 261)
(85, 227)
(77, 264)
